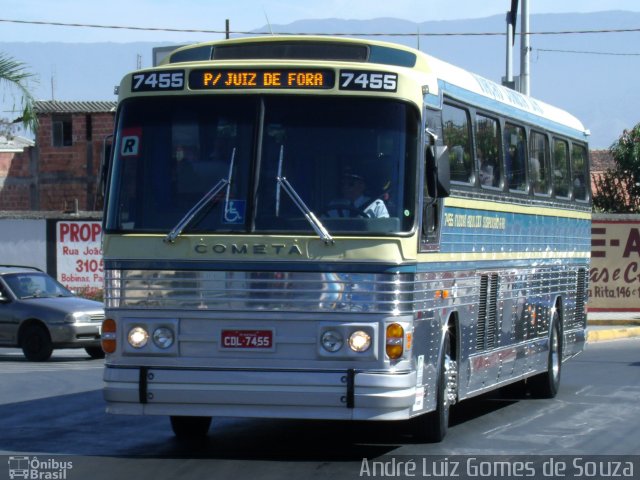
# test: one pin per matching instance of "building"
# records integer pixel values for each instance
(14, 173)
(601, 161)
(61, 170)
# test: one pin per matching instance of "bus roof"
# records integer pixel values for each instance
(440, 76)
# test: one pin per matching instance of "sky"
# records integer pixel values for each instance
(243, 15)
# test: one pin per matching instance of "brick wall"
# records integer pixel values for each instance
(46, 177)
(15, 183)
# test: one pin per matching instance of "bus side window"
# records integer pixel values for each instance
(488, 151)
(457, 137)
(515, 156)
(539, 163)
(561, 174)
(579, 165)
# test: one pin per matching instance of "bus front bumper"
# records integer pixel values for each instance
(346, 395)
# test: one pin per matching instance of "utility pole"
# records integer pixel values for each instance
(525, 52)
(512, 15)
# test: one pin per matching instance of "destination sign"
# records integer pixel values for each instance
(233, 79)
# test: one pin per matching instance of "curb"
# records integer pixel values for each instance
(613, 322)
(612, 334)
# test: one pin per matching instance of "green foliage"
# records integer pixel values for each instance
(618, 190)
(15, 76)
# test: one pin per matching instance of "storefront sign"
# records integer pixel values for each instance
(615, 263)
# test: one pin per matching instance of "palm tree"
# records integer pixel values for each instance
(15, 75)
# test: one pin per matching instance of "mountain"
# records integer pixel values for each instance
(599, 89)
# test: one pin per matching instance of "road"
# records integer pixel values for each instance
(55, 410)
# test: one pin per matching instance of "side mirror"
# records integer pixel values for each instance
(438, 173)
(4, 299)
(103, 173)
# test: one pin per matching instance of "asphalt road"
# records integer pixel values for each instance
(55, 411)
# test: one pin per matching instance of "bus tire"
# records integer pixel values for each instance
(432, 427)
(190, 428)
(546, 384)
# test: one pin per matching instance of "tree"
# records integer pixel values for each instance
(618, 189)
(15, 76)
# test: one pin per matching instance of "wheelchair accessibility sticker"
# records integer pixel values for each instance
(234, 212)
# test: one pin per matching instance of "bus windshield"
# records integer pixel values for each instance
(220, 164)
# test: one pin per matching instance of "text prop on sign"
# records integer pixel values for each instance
(614, 281)
(79, 255)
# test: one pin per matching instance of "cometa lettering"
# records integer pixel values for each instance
(247, 249)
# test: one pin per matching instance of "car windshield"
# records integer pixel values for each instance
(212, 164)
(35, 285)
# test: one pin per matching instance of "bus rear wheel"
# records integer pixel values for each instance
(546, 384)
(432, 427)
(190, 428)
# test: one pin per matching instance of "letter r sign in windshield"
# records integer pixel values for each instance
(130, 144)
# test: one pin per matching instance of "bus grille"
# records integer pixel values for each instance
(268, 291)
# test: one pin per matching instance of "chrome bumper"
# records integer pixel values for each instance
(346, 395)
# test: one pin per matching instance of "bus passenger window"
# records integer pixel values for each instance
(515, 155)
(579, 165)
(539, 163)
(455, 128)
(488, 151)
(561, 175)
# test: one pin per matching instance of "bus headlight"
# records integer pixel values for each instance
(359, 341)
(138, 337)
(163, 337)
(332, 341)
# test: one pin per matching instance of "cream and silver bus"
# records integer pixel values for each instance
(332, 228)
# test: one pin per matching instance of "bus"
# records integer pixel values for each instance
(332, 228)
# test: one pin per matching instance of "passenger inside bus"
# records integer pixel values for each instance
(353, 201)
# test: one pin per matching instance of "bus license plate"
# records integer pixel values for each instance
(247, 339)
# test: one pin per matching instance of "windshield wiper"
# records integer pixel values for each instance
(195, 210)
(316, 224)
(203, 203)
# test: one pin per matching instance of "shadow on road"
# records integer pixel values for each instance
(78, 425)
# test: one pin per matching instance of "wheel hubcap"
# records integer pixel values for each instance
(451, 381)
(555, 354)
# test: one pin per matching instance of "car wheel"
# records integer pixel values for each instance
(36, 343)
(190, 428)
(94, 352)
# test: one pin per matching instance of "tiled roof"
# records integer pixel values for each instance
(53, 106)
(601, 160)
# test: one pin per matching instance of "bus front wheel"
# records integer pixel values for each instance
(190, 428)
(432, 427)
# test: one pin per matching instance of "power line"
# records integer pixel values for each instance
(374, 34)
(585, 52)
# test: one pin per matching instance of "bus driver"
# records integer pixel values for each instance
(354, 202)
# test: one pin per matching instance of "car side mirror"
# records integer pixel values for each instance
(4, 299)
